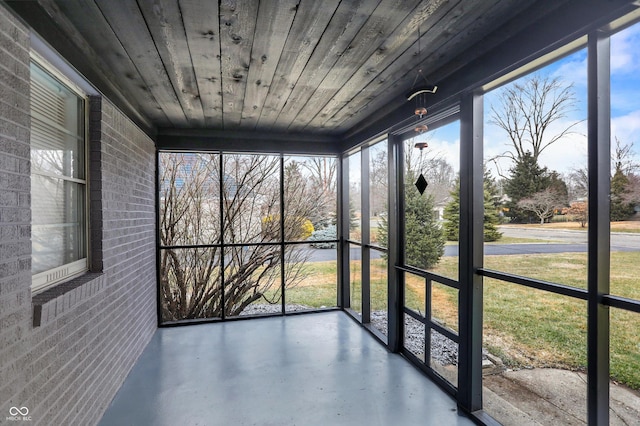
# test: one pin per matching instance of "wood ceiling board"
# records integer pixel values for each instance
(573, 19)
(382, 22)
(202, 28)
(132, 32)
(275, 18)
(343, 27)
(309, 24)
(164, 21)
(533, 12)
(424, 17)
(83, 21)
(237, 26)
(441, 41)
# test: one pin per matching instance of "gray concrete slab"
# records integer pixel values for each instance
(314, 369)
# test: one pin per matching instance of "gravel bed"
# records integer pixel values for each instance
(443, 350)
(276, 308)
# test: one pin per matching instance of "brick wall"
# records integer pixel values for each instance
(67, 367)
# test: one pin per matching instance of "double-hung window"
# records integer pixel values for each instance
(58, 179)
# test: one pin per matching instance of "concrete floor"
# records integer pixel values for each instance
(315, 369)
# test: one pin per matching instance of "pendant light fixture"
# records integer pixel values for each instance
(419, 90)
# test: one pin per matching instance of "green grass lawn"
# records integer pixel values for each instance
(526, 327)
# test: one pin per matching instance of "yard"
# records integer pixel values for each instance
(525, 327)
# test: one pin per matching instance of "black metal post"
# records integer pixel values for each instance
(395, 243)
(344, 299)
(282, 236)
(471, 252)
(221, 236)
(365, 237)
(599, 148)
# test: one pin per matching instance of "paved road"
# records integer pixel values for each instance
(619, 240)
(507, 249)
(560, 241)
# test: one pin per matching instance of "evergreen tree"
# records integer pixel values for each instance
(490, 220)
(491, 204)
(620, 208)
(526, 178)
(424, 239)
(451, 214)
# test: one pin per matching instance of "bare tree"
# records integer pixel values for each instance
(578, 183)
(322, 174)
(199, 277)
(441, 178)
(542, 203)
(378, 181)
(438, 172)
(633, 189)
(527, 109)
(623, 158)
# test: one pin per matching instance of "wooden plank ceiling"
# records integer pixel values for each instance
(294, 66)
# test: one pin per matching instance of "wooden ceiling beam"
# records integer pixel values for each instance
(246, 141)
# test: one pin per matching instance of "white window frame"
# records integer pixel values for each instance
(51, 277)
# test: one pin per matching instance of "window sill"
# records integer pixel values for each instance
(52, 303)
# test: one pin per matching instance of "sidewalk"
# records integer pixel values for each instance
(547, 396)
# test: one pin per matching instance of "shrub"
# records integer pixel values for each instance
(328, 233)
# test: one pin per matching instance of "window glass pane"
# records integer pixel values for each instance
(624, 394)
(355, 201)
(535, 149)
(311, 278)
(57, 127)
(444, 312)
(414, 336)
(625, 163)
(431, 218)
(415, 293)
(58, 222)
(379, 290)
(533, 340)
(310, 198)
(190, 284)
(444, 357)
(251, 198)
(379, 193)
(252, 280)
(355, 277)
(189, 198)
(444, 306)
